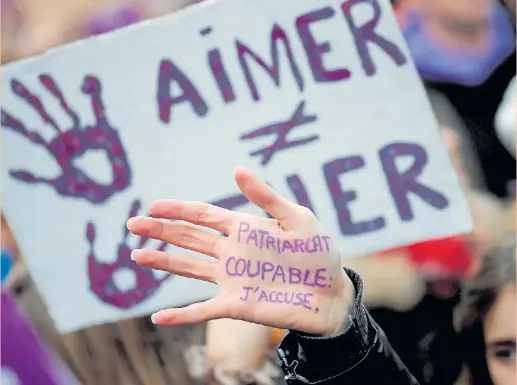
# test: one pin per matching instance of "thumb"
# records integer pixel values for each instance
(263, 196)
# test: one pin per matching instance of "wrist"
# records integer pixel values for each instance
(343, 308)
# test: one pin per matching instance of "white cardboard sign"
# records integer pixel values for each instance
(319, 98)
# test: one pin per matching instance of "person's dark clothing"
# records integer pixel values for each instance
(477, 106)
(425, 339)
(361, 355)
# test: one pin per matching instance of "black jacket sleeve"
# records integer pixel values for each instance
(361, 355)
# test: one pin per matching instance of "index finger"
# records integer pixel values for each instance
(198, 213)
(263, 196)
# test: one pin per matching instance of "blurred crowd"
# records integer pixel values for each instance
(447, 306)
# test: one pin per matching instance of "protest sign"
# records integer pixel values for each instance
(319, 98)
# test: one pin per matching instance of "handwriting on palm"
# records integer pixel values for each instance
(102, 274)
(73, 143)
(281, 272)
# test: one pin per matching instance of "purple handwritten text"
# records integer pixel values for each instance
(275, 273)
(263, 240)
(280, 297)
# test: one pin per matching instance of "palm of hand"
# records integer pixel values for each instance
(282, 272)
(279, 278)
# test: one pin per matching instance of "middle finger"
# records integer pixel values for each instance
(178, 234)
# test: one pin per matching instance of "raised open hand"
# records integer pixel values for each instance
(70, 145)
(283, 272)
(102, 274)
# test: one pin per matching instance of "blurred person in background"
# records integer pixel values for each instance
(511, 4)
(465, 51)
(506, 118)
(221, 361)
(10, 21)
(486, 318)
(124, 13)
(30, 28)
(461, 334)
(459, 42)
(506, 125)
(464, 336)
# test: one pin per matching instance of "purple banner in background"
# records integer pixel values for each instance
(25, 360)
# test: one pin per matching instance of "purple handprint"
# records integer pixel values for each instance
(72, 144)
(101, 274)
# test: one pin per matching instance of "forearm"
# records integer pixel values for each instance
(361, 355)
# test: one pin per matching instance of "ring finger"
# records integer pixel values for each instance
(179, 264)
(178, 234)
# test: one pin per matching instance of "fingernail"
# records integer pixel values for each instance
(134, 254)
(153, 318)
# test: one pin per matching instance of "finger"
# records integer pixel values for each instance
(28, 177)
(179, 234)
(133, 212)
(179, 264)
(192, 314)
(34, 101)
(92, 86)
(198, 213)
(263, 196)
(50, 84)
(90, 233)
(11, 122)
